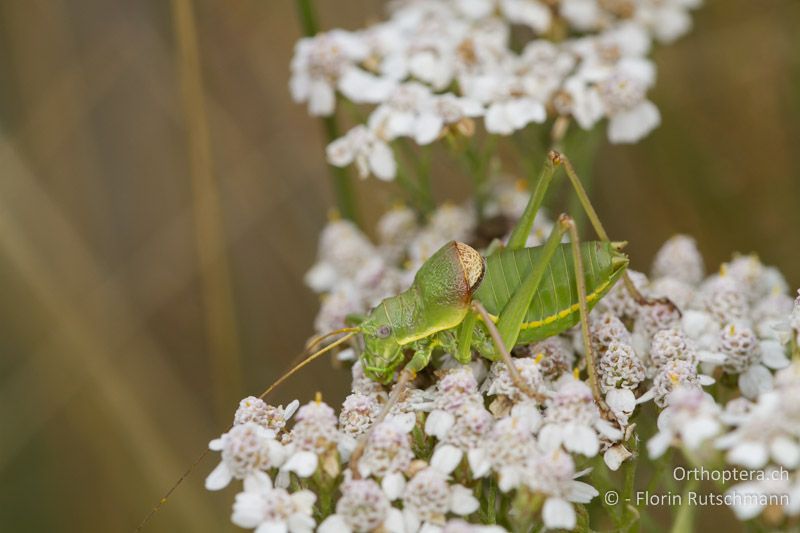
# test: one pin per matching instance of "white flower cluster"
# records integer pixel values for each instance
(462, 436)
(435, 65)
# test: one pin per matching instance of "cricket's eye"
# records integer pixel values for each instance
(384, 332)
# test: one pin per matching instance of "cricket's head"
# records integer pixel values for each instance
(383, 353)
(438, 299)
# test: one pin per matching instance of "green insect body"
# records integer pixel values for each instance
(554, 308)
(439, 299)
(430, 313)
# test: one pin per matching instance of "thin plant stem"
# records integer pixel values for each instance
(478, 163)
(342, 182)
(419, 189)
(629, 517)
(209, 232)
(684, 520)
(424, 177)
(491, 502)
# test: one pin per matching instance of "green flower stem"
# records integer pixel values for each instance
(660, 466)
(478, 165)
(419, 189)
(424, 178)
(684, 520)
(324, 489)
(524, 510)
(630, 515)
(491, 502)
(342, 182)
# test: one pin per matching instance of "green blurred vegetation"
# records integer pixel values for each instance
(144, 257)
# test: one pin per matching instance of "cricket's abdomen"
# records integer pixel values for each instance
(554, 307)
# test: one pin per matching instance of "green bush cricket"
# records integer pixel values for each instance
(460, 300)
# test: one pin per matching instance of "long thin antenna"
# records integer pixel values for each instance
(287, 375)
(314, 341)
(306, 361)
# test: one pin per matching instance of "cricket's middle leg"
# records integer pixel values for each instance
(405, 377)
(505, 354)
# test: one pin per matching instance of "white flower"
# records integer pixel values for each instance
(273, 510)
(371, 153)
(751, 358)
(462, 434)
(315, 435)
(679, 292)
(252, 409)
(554, 355)
(582, 14)
(631, 115)
(679, 258)
(400, 114)
(619, 302)
(443, 111)
(605, 329)
(531, 13)
(510, 109)
(453, 223)
(456, 525)
(397, 227)
(500, 383)
(388, 449)
(508, 445)
(363, 507)
(620, 368)
(357, 414)
(691, 418)
(572, 420)
(553, 475)
(750, 499)
(674, 374)
(246, 450)
(767, 431)
(666, 19)
(327, 61)
(671, 344)
(429, 497)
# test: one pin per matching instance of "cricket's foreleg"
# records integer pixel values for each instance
(463, 353)
(580, 283)
(505, 355)
(419, 361)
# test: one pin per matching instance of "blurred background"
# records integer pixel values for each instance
(151, 264)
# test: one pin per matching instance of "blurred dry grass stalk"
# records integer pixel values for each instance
(117, 216)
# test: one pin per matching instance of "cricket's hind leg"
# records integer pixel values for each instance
(583, 308)
(558, 158)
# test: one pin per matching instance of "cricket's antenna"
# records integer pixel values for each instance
(314, 341)
(350, 333)
(310, 358)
